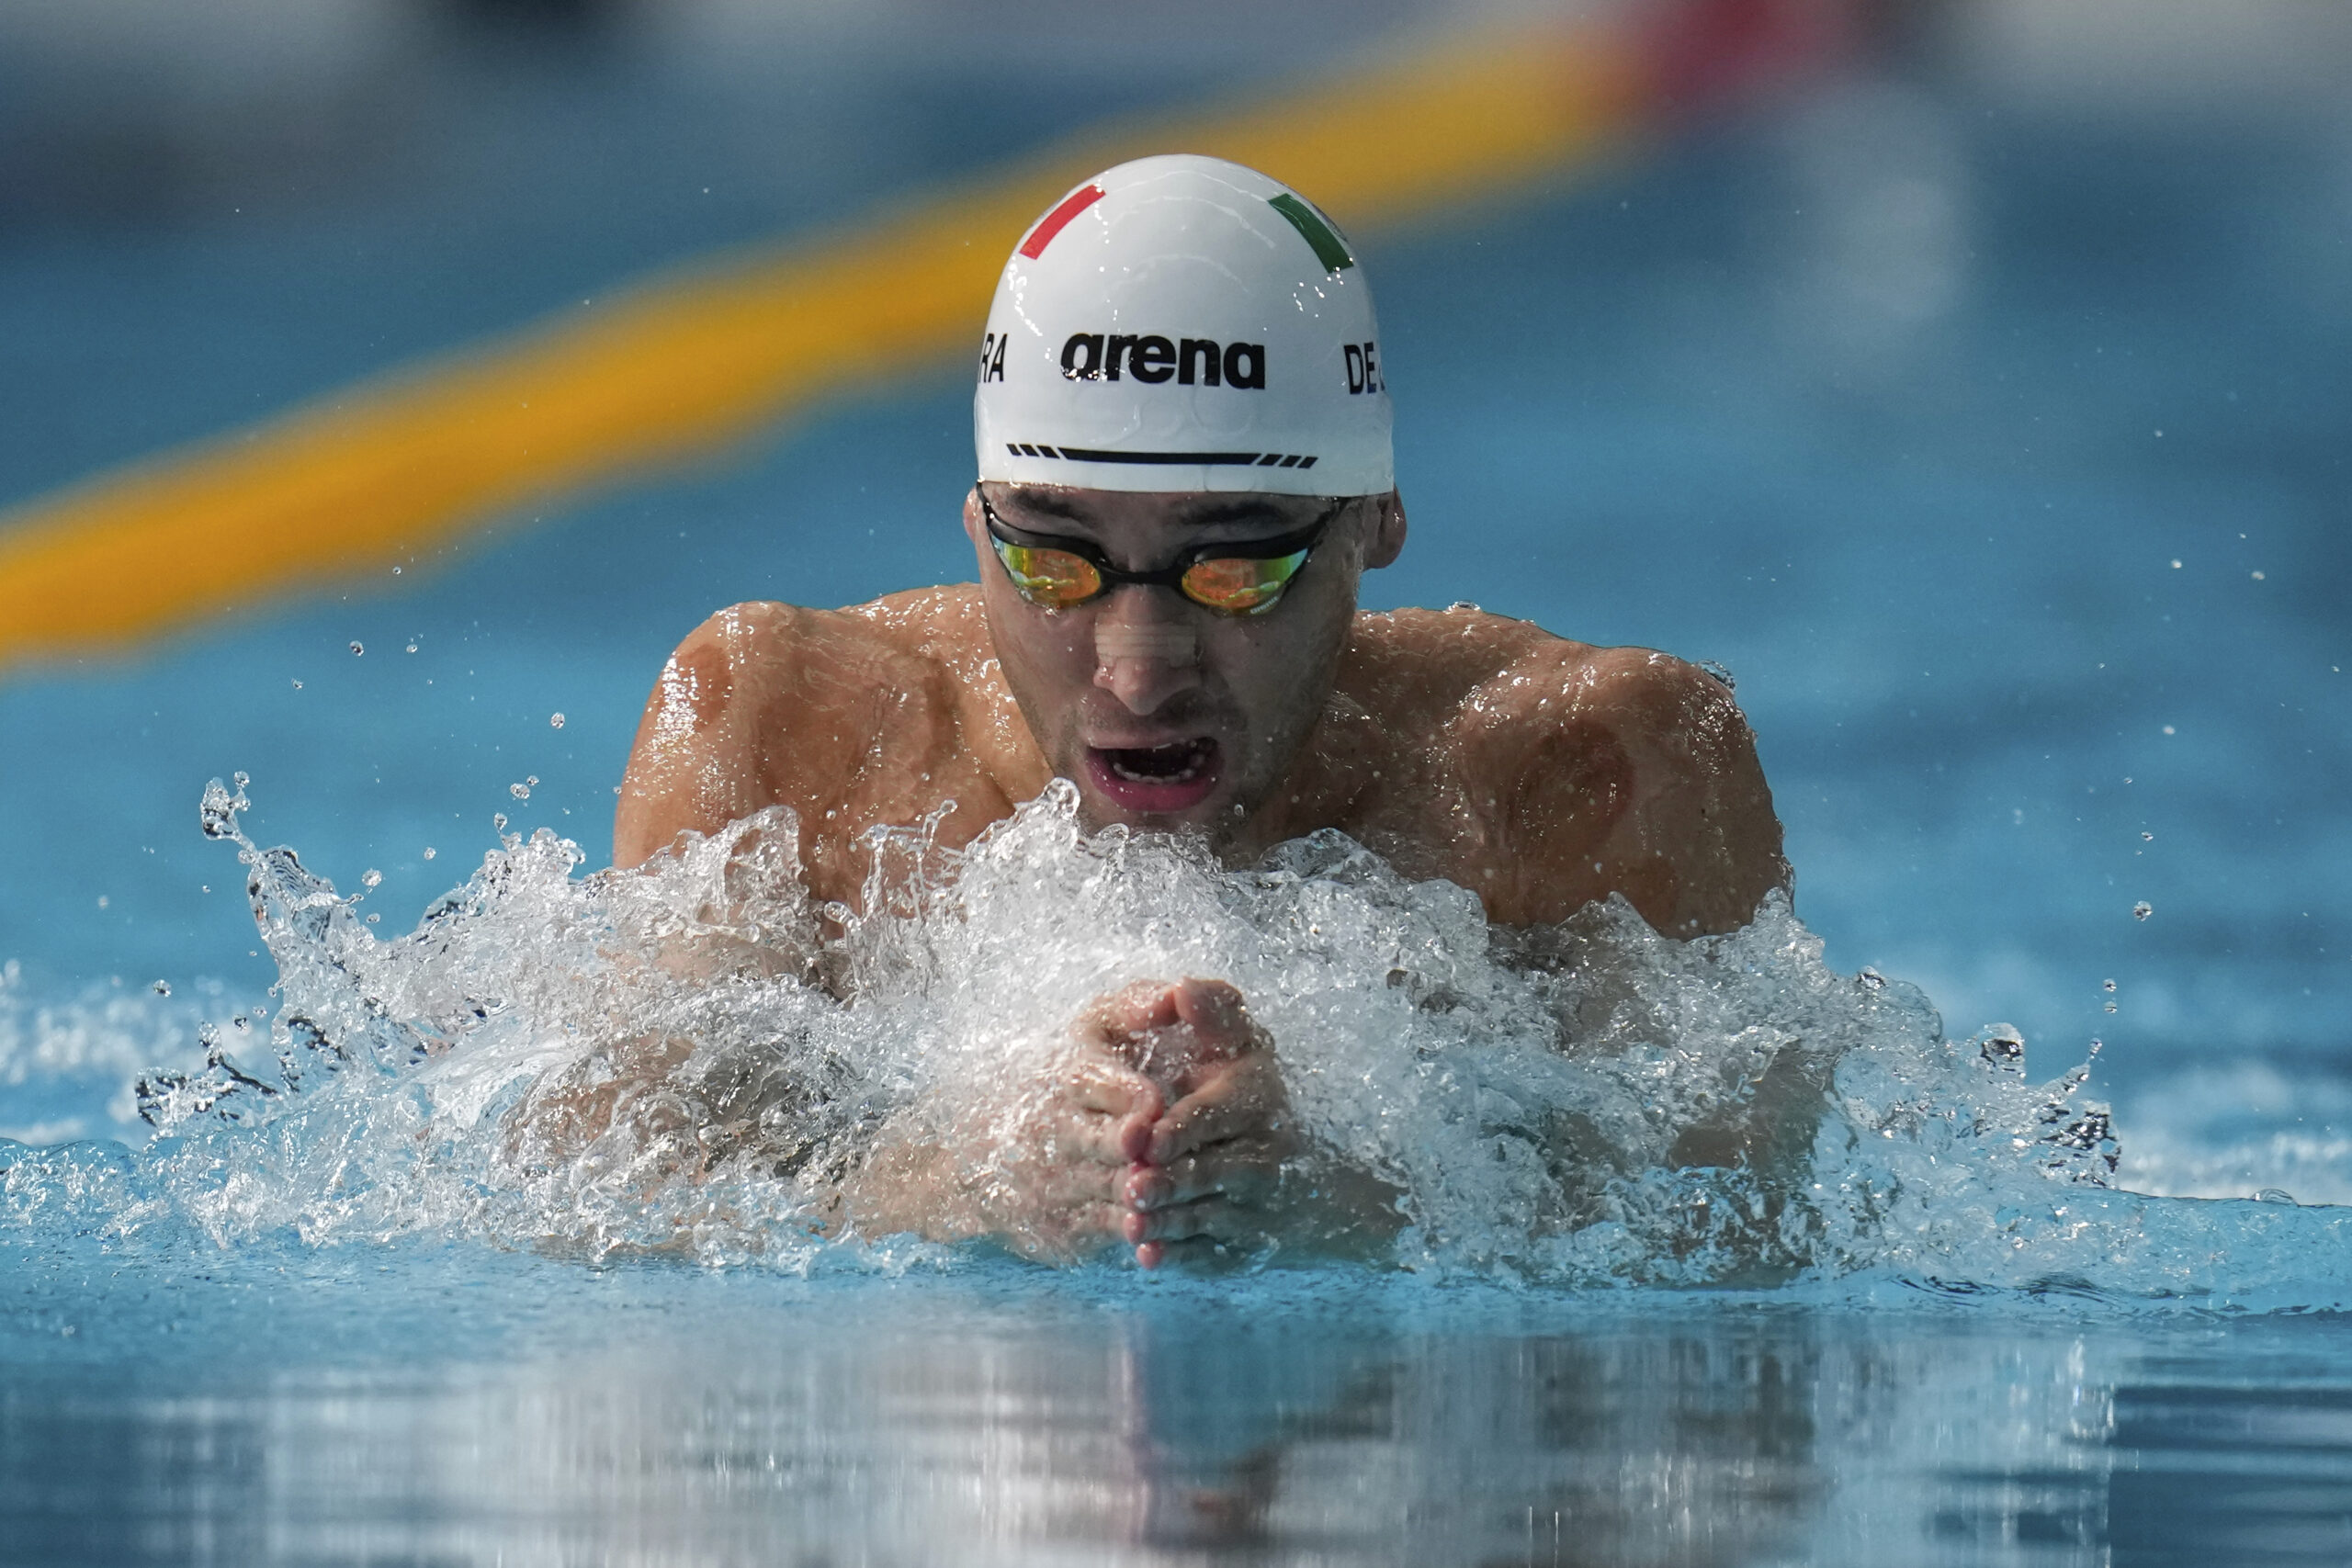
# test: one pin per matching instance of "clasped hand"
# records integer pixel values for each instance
(1166, 1127)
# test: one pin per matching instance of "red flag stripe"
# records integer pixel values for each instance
(1054, 222)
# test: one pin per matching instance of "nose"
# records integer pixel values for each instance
(1144, 648)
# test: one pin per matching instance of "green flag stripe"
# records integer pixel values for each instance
(1329, 249)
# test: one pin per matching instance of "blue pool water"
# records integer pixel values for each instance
(416, 1406)
(1901, 401)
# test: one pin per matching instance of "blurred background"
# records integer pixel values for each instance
(1972, 379)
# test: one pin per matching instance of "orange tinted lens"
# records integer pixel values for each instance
(1054, 579)
(1241, 587)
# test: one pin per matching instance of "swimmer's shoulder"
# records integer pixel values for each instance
(1465, 665)
(1420, 670)
(690, 766)
(1571, 758)
(1464, 639)
(945, 626)
(873, 713)
(768, 651)
(911, 682)
(766, 704)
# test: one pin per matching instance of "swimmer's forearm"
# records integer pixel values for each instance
(898, 1192)
(1344, 1211)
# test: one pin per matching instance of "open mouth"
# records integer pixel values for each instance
(1155, 779)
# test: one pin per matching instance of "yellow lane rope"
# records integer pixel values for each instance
(693, 362)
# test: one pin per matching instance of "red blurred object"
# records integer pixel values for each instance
(1704, 55)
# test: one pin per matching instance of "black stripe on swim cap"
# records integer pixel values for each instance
(1204, 460)
(1210, 459)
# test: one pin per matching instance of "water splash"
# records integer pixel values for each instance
(66, 1067)
(660, 1060)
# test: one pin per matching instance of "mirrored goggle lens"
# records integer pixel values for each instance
(1240, 587)
(1054, 579)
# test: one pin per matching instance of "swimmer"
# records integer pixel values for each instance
(1184, 431)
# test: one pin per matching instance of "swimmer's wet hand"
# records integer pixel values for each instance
(1225, 1171)
(1041, 1172)
(1197, 1180)
(1165, 1126)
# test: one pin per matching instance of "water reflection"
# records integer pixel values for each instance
(914, 1425)
(1570, 1449)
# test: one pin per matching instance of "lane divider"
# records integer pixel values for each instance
(696, 361)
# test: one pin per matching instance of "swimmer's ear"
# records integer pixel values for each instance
(1386, 539)
(975, 529)
(973, 521)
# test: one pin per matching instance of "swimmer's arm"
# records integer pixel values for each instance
(1701, 812)
(1593, 771)
(830, 712)
(690, 769)
(1042, 1182)
(699, 764)
(694, 766)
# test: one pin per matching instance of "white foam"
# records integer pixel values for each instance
(1589, 1104)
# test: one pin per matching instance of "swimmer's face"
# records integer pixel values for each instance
(1165, 713)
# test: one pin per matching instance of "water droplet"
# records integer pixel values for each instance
(297, 685)
(531, 779)
(217, 813)
(2002, 1045)
(1463, 604)
(520, 792)
(2257, 577)
(396, 572)
(1720, 672)
(373, 917)
(2147, 837)
(241, 1021)
(371, 877)
(2109, 1007)
(555, 721)
(356, 649)
(2143, 909)
(2107, 985)
(1870, 980)
(2176, 566)
(428, 851)
(102, 901)
(412, 648)
(204, 887)
(2168, 729)
(498, 821)
(2274, 1195)
(163, 988)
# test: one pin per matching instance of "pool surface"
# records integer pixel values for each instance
(460, 1406)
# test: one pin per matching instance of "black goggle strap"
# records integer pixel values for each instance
(1298, 542)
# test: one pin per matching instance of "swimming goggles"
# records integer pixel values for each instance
(1239, 576)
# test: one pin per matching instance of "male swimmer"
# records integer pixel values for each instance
(1183, 423)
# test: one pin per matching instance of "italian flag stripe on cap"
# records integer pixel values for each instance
(1329, 249)
(1054, 222)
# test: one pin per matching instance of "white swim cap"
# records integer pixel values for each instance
(1183, 323)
